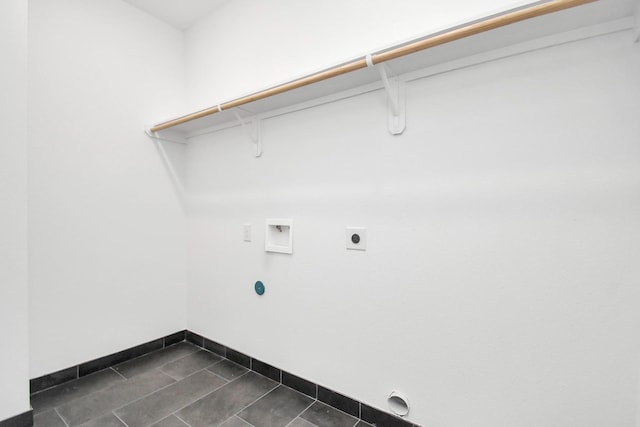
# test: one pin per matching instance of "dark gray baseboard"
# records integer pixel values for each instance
(23, 420)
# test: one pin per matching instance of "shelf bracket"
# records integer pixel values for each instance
(396, 97)
(168, 163)
(252, 128)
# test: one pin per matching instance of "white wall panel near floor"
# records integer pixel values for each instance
(499, 287)
(106, 228)
(14, 357)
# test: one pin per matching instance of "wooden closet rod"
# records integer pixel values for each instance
(387, 55)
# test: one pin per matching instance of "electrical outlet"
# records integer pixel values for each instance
(356, 238)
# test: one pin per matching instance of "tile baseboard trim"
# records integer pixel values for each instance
(74, 372)
(23, 420)
(353, 407)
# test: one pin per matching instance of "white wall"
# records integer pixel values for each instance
(499, 287)
(107, 252)
(14, 357)
(248, 45)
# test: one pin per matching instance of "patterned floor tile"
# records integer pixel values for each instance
(142, 364)
(325, 416)
(162, 403)
(222, 404)
(276, 409)
(72, 390)
(104, 401)
(190, 364)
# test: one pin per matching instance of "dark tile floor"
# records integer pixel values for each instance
(181, 386)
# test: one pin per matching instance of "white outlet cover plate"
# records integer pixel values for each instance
(362, 233)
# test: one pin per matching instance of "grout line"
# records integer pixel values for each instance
(198, 370)
(201, 397)
(178, 358)
(241, 419)
(303, 411)
(121, 420)
(358, 418)
(51, 387)
(146, 395)
(61, 417)
(169, 375)
(214, 374)
(236, 378)
(136, 358)
(85, 395)
(114, 370)
(340, 410)
(306, 395)
(160, 366)
(214, 364)
(176, 415)
(245, 407)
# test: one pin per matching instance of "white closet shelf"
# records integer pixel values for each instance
(536, 21)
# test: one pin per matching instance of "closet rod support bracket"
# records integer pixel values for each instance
(253, 130)
(396, 97)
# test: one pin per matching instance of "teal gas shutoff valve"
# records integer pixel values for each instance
(259, 287)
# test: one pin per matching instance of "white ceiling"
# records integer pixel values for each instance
(180, 14)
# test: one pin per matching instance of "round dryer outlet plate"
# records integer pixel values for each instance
(356, 238)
